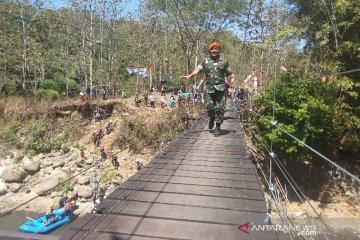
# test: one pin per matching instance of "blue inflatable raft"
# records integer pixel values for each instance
(43, 225)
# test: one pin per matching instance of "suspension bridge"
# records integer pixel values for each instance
(201, 187)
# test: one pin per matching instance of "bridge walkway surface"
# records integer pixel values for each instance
(201, 187)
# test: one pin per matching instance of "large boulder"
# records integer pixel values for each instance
(48, 170)
(14, 187)
(48, 184)
(16, 175)
(31, 167)
(1, 169)
(58, 163)
(3, 189)
(83, 191)
(83, 180)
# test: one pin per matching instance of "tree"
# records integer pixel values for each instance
(195, 21)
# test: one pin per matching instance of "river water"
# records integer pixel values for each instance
(12, 221)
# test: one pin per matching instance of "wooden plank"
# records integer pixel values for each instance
(193, 189)
(199, 187)
(197, 174)
(186, 213)
(177, 229)
(193, 160)
(188, 200)
(225, 170)
(195, 181)
(202, 163)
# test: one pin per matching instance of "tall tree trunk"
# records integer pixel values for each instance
(24, 48)
(91, 49)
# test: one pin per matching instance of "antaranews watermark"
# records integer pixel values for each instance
(298, 229)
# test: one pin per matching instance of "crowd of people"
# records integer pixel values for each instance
(181, 99)
(90, 94)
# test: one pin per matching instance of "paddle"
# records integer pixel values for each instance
(30, 218)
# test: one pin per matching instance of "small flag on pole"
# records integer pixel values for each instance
(255, 80)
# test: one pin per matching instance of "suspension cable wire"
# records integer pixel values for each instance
(275, 124)
(84, 208)
(66, 180)
(100, 161)
(58, 126)
(287, 175)
(132, 189)
(87, 205)
(271, 153)
(323, 76)
(262, 171)
(271, 186)
(48, 129)
(283, 214)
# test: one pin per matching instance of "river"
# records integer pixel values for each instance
(11, 222)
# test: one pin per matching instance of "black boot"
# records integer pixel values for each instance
(217, 130)
(211, 123)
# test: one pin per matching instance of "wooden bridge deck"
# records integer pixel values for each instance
(203, 187)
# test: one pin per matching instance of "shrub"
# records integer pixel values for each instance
(42, 141)
(108, 176)
(10, 129)
(65, 186)
(139, 131)
(11, 88)
(51, 94)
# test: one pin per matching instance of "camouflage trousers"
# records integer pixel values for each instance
(215, 105)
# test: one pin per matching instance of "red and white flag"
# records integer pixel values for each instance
(246, 80)
(140, 71)
(284, 67)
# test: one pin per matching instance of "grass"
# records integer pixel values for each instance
(151, 128)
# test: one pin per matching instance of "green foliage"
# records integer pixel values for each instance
(42, 141)
(79, 146)
(11, 89)
(10, 129)
(47, 94)
(51, 94)
(139, 131)
(108, 176)
(61, 83)
(65, 148)
(312, 111)
(18, 159)
(65, 186)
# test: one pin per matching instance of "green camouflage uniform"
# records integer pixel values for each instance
(215, 74)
